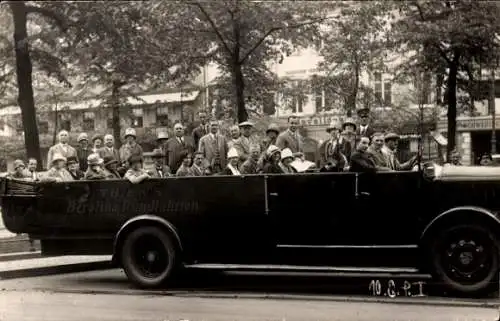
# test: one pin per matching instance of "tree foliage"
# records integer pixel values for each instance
(244, 37)
(124, 47)
(354, 45)
(448, 38)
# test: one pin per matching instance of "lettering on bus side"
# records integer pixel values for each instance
(129, 206)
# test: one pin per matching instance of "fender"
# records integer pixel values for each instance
(137, 220)
(477, 210)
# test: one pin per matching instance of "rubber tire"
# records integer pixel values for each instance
(452, 286)
(133, 273)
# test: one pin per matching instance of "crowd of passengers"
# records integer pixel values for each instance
(351, 146)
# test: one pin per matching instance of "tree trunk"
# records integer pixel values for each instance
(452, 106)
(237, 72)
(24, 71)
(239, 86)
(353, 95)
(115, 105)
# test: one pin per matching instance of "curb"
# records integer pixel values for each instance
(428, 301)
(58, 269)
(20, 256)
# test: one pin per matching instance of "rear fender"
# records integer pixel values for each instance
(460, 215)
(139, 221)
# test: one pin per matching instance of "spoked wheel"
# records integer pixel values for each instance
(148, 257)
(465, 259)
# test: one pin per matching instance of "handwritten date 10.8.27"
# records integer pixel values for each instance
(394, 289)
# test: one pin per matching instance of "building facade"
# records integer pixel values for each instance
(148, 114)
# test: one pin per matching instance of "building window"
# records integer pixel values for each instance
(378, 87)
(329, 100)
(423, 85)
(65, 122)
(387, 93)
(318, 95)
(162, 116)
(318, 44)
(382, 90)
(88, 121)
(137, 117)
(43, 126)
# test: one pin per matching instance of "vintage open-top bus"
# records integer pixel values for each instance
(439, 220)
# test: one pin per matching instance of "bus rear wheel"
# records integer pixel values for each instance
(149, 257)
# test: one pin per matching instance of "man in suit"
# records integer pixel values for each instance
(364, 129)
(202, 129)
(178, 147)
(159, 170)
(109, 149)
(213, 147)
(361, 161)
(198, 169)
(377, 155)
(291, 138)
(62, 148)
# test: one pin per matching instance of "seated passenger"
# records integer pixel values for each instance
(376, 152)
(74, 168)
(111, 167)
(95, 171)
(58, 171)
(198, 168)
(32, 172)
(232, 163)
(391, 143)
(159, 170)
(251, 165)
(185, 168)
(273, 158)
(361, 160)
(286, 161)
(136, 174)
(19, 170)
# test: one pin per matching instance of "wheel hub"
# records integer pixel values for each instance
(151, 256)
(466, 258)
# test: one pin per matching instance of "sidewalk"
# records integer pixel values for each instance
(52, 265)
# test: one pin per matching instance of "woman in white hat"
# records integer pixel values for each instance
(58, 170)
(95, 171)
(273, 159)
(233, 159)
(286, 161)
(19, 170)
(130, 148)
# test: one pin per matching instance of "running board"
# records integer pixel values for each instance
(298, 268)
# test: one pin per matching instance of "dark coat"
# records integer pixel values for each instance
(198, 133)
(272, 168)
(177, 151)
(362, 162)
(369, 131)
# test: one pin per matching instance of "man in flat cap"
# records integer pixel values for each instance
(246, 139)
(391, 142)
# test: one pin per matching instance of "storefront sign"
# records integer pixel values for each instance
(319, 120)
(471, 124)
